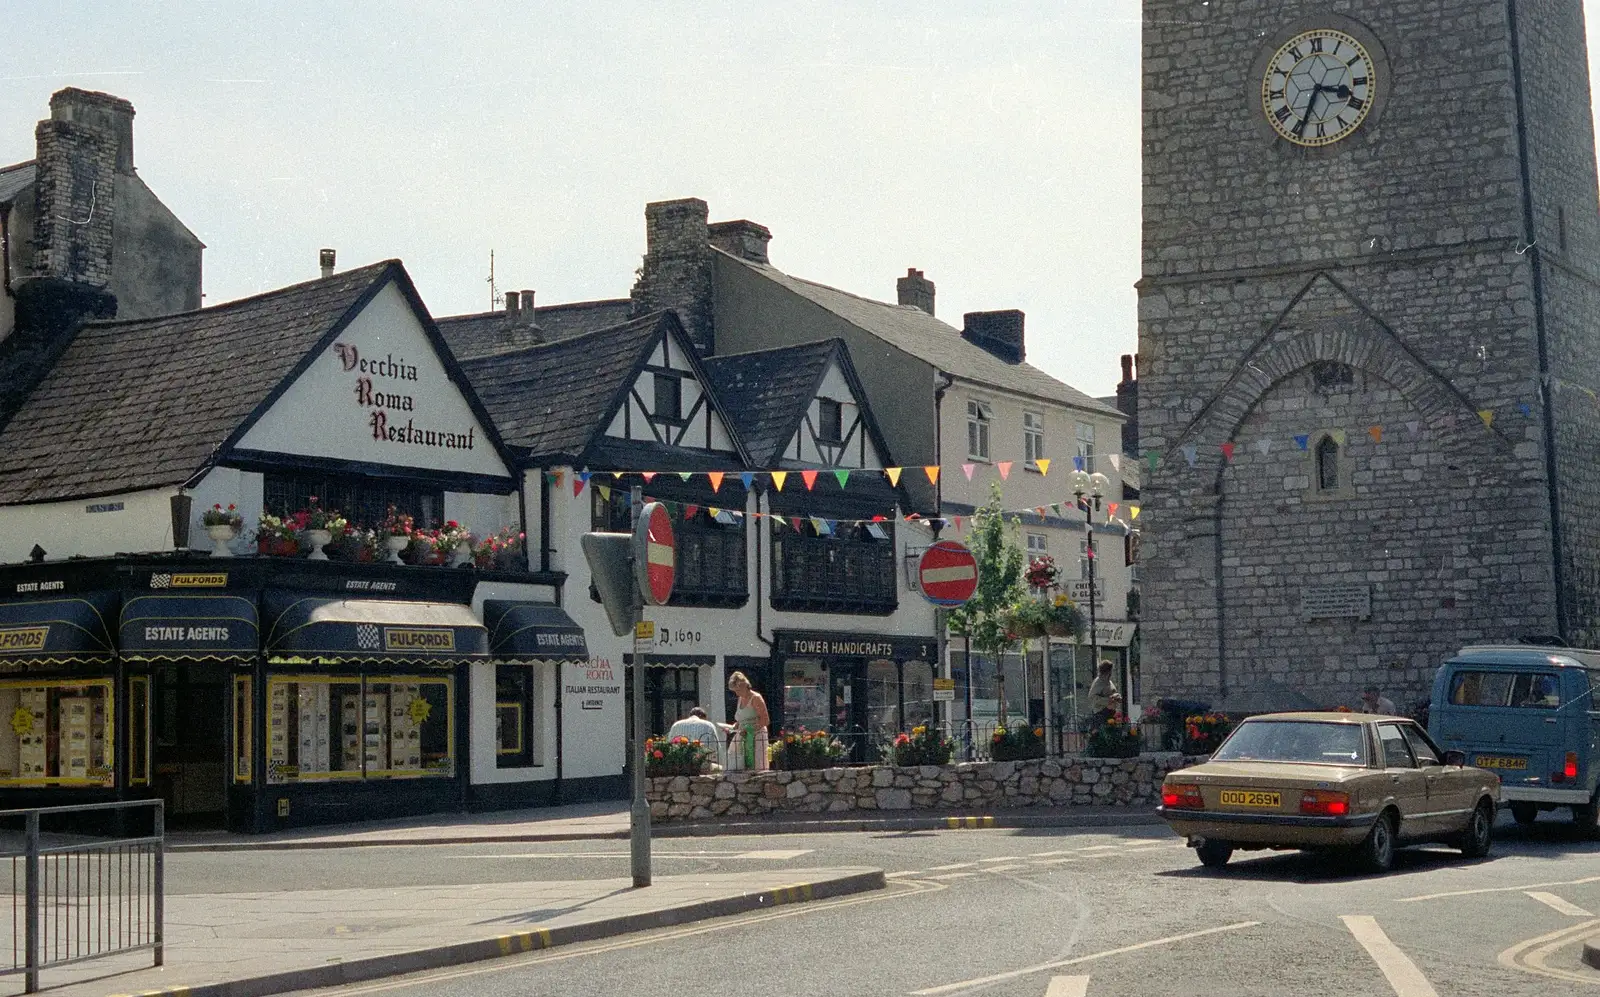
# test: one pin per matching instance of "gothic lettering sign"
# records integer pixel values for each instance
(389, 400)
(1329, 602)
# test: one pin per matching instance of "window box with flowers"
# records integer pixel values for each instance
(222, 525)
(395, 534)
(277, 537)
(505, 550)
(448, 544)
(320, 526)
(1015, 744)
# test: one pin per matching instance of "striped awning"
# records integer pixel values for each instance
(70, 630)
(190, 627)
(319, 629)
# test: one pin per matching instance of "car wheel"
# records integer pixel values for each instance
(1587, 816)
(1214, 854)
(1376, 853)
(1479, 834)
(1524, 813)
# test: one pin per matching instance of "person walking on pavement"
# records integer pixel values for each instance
(747, 745)
(702, 731)
(1372, 701)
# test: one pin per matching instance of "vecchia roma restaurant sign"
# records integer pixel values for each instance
(385, 387)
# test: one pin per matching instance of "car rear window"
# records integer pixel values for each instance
(1295, 741)
(1523, 690)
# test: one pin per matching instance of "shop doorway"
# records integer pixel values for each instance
(190, 743)
(848, 714)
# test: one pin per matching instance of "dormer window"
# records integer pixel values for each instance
(830, 421)
(669, 398)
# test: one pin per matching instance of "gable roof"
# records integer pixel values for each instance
(145, 403)
(919, 334)
(485, 333)
(15, 179)
(768, 392)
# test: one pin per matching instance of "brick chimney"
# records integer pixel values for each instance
(998, 332)
(677, 269)
(102, 112)
(744, 239)
(915, 290)
(1128, 403)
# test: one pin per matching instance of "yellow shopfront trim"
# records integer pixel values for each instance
(339, 728)
(57, 732)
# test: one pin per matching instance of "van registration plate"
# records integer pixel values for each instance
(1250, 798)
(1499, 762)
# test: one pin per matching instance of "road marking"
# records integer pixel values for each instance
(953, 865)
(1529, 956)
(776, 854)
(1402, 974)
(772, 854)
(954, 823)
(953, 875)
(1098, 848)
(1557, 904)
(1006, 868)
(1002, 858)
(1068, 986)
(1497, 889)
(1063, 963)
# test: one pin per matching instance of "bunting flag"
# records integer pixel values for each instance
(967, 469)
(605, 492)
(958, 524)
(1150, 457)
(1044, 465)
(810, 478)
(1055, 507)
(647, 475)
(1190, 453)
(1077, 463)
(685, 475)
(932, 471)
(1111, 507)
(1303, 441)
(1116, 461)
(1038, 510)
(1263, 446)
(1133, 512)
(795, 523)
(843, 476)
(716, 480)
(747, 479)
(1525, 409)
(1005, 469)
(894, 475)
(690, 511)
(713, 511)
(578, 481)
(1413, 426)
(778, 478)
(1339, 436)
(1487, 415)
(1227, 452)
(1376, 432)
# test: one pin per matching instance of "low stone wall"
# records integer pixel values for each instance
(969, 786)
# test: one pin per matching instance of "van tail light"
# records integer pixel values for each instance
(1320, 803)
(1569, 771)
(1182, 796)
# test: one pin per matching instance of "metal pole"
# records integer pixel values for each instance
(31, 877)
(1094, 647)
(967, 640)
(159, 889)
(639, 816)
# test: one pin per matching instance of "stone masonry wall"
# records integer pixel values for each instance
(1058, 782)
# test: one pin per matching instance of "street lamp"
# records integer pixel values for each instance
(1094, 486)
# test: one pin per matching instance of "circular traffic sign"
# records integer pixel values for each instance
(655, 554)
(948, 573)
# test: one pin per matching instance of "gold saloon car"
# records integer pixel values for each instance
(1330, 781)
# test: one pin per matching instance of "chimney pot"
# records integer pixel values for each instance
(915, 290)
(326, 258)
(1000, 333)
(1127, 367)
(527, 304)
(513, 302)
(743, 238)
(103, 112)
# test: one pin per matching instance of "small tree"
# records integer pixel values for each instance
(985, 617)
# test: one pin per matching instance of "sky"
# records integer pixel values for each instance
(995, 146)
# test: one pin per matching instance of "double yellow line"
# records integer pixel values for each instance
(958, 823)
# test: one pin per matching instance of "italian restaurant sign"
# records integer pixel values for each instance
(379, 394)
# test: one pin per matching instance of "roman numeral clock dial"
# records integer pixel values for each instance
(1318, 87)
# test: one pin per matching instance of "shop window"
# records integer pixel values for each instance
(851, 571)
(916, 693)
(57, 733)
(329, 728)
(515, 714)
(830, 421)
(883, 703)
(243, 729)
(365, 501)
(805, 695)
(139, 730)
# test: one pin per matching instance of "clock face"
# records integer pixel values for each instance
(1318, 87)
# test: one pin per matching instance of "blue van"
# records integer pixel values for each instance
(1529, 714)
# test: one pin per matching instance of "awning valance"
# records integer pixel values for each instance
(194, 627)
(312, 629)
(533, 631)
(71, 630)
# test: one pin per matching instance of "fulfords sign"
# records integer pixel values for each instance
(385, 385)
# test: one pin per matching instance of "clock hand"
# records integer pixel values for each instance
(1311, 104)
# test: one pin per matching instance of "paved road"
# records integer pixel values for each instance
(1054, 914)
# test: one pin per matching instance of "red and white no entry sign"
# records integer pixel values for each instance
(654, 554)
(948, 573)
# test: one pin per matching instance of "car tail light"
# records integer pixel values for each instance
(1320, 803)
(1182, 796)
(1569, 771)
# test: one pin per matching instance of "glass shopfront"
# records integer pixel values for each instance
(861, 688)
(326, 728)
(58, 732)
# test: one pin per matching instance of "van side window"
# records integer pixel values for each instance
(1523, 690)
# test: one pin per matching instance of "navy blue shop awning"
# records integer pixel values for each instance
(71, 630)
(312, 629)
(192, 627)
(533, 631)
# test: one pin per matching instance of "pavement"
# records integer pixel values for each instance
(249, 944)
(602, 821)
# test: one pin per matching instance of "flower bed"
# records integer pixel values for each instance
(975, 786)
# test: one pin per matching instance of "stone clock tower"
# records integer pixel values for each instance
(1369, 339)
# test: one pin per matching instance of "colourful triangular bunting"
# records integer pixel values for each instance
(1005, 469)
(1376, 432)
(843, 476)
(1191, 453)
(1044, 465)
(810, 478)
(932, 471)
(778, 478)
(894, 475)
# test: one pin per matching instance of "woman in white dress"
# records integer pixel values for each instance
(747, 742)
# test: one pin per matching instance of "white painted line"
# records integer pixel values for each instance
(1402, 974)
(953, 865)
(1064, 851)
(776, 854)
(1098, 848)
(1557, 904)
(1497, 889)
(1006, 868)
(1062, 963)
(1002, 858)
(1068, 986)
(953, 875)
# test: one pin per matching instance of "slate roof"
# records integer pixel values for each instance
(144, 403)
(767, 392)
(914, 331)
(550, 400)
(15, 179)
(486, 333)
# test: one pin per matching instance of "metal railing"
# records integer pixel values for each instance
(81, 896)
